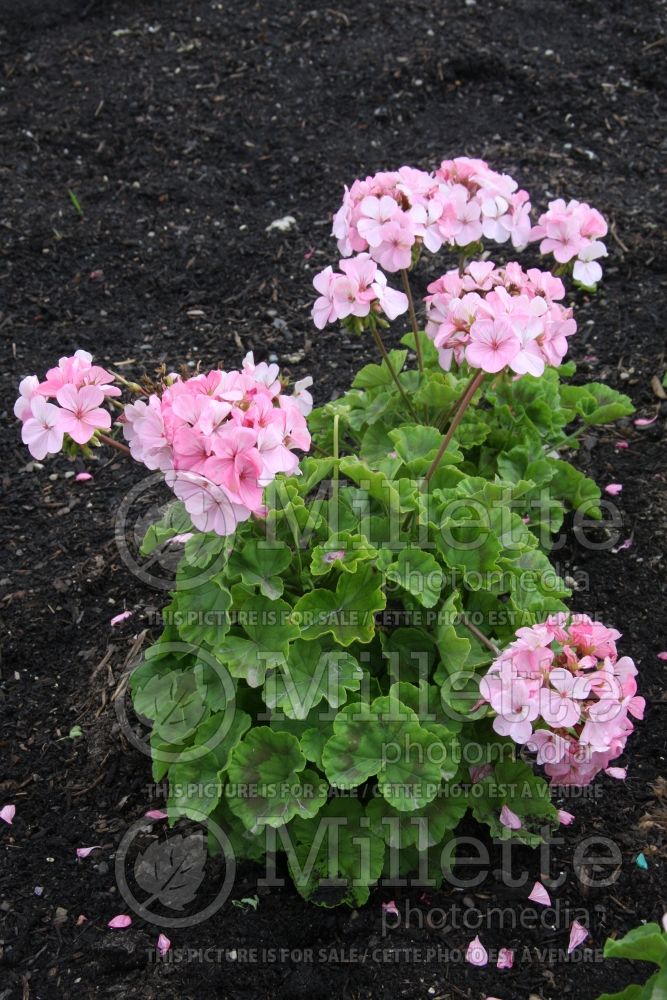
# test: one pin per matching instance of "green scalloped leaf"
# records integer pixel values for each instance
(342, 551)
(419, 573)
(268, 785)
(260, 564)
(348, 613)
(385, 740)
(309, 674)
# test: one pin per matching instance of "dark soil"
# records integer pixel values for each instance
(184, 130)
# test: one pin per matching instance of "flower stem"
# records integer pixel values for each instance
(392, 371)
(105, 439)
(413, 319)
(472, 388)
(479, 635)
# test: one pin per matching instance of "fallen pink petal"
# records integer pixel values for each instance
(645, 421)
(565, 818)
(7, 814)
(119, 922)
(156, 814)
(617, 772)
(663, 656)
(505, 958)
(613, 489)
(82, 477)
(390, 907)
(123, 616)
(578, 935)
(163, 944)
(622, 444)
(540, 895)
(476, 953)
(83, 852)
(81, 919)
(510, 819)
(627, 544)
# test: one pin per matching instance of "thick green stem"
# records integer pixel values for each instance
(473, 386)
(413, 319)
(392, 371)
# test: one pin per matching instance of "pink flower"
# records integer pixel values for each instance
(586, 269)
(395, 251)
(578, 935)
(163, 944)
(27, 390)
(208, 505)
(42, 432)
(392, 302)
(375, 214)
(613, 489)
(81, 414)
(324, 310)
(493, 344)
(540, 895)
(476, 953)
(558, 703)
(120, 922)
(510, 819)
(505, 958)
(7, 814)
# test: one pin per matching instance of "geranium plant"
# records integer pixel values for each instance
(359, 639)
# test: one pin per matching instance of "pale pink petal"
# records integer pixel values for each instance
(117, 619)
(613, 489)
(83, 852)
(82, 477)
(540, 895)
(7, 814)
(616, 772)
(390, 907)
(565, 818)
(510, 819)
(663, 656)
(505, 958)
(477, 953)
(163, 944)
(122, 920)
(645, 421)
(578, 935)
(81, 919)
(622, 444)
(156, 814)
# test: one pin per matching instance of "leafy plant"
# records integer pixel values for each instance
(647, 943)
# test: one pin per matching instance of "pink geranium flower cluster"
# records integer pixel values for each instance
(498, 317)
(570, 231)
(220, 439)
(359, 287)
(463, 201)
(561, 690)
(79, 388)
